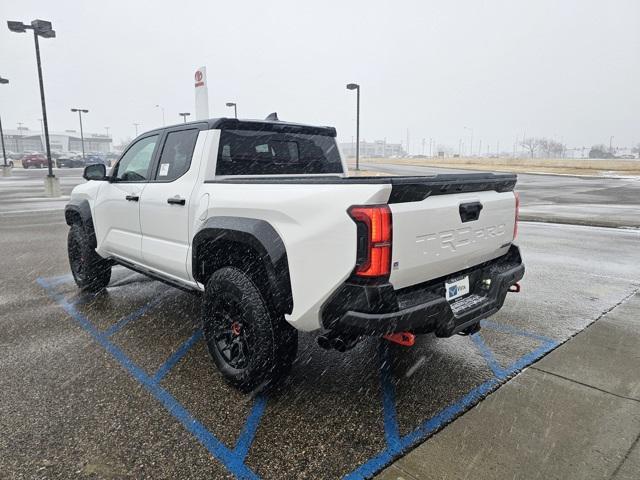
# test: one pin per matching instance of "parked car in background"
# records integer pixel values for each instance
(95, 159)
(68, 160)
(36, 160)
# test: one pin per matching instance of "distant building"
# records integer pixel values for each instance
(25, 140)
(379, 148)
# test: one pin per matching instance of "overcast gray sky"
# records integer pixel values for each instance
(563, 69)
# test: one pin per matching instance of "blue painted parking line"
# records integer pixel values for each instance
(60, 279)
(250, 428)
(488, 355)
(177, 356)
(120, 324)
(227, 457)
(504, 328)
(448, 414)
(234, 460)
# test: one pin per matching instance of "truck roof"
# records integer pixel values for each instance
(224, 123)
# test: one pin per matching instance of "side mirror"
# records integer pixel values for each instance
(95, 172)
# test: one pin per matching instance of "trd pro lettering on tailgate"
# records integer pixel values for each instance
(452, 240)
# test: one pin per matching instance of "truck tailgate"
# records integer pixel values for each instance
(441, 235)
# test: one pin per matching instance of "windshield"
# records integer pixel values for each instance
(248, 152)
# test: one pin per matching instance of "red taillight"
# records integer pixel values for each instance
(515, 225)
(374, 240)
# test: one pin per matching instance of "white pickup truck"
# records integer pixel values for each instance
(262, 217)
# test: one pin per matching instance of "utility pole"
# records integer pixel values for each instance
(136, 125)
(41, 28)
(6, 171)
(407, 142)
(161, 108)
(356, 87)
(80, 112)
(235, 108)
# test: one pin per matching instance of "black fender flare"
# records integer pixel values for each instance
(260, 236)
(81, 209)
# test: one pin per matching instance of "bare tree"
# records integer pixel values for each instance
(531, 145)
(551, 148)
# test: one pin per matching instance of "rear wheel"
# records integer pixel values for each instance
(90, 271)
(251, 345)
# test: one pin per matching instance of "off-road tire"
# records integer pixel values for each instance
(90, 271)
(236, 318)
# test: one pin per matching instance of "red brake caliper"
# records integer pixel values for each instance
(235, 328)
(405, 339)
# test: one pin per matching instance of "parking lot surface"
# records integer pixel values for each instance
(120, 385)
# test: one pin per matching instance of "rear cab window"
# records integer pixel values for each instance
(263, 152)
(175, 158)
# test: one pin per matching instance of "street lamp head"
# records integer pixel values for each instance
(79, 110)
(43, 28)
(352, 86)
(184, 114)
(231, 104)
(17, 27)
(3, 80)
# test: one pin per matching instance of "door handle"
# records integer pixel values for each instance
(176, 201)
(470, 211)
(132, 198)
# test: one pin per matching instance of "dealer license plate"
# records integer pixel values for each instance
(457, 288)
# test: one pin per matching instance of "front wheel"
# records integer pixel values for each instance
(251, 345)
(90, 271)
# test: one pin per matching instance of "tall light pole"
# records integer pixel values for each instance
(80, 112)
(107, 129)
(611, 144)
(136, 125)
(184, 116)
(356, 87)
(235, 108)
(41, 28)
(3, 81)
(161, 108)
(471, 142)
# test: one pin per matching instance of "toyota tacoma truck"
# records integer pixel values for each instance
(262, 219)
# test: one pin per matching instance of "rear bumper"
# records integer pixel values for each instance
(378, 309)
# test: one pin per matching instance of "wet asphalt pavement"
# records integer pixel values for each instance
(119, 385)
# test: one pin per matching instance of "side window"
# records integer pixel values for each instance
(134, 165)
(176, 154)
